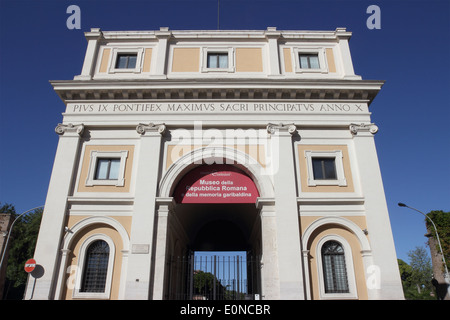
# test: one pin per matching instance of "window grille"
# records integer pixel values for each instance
(96, 267)
(334, 268)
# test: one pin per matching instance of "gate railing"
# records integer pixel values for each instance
(213, 277)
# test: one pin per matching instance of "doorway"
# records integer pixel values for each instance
(214, 252)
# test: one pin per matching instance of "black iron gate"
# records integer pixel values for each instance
(214, 277)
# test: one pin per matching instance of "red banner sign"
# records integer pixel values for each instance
(216, 184)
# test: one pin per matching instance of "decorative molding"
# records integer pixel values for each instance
(231, 58)
(142, 128)
(228, 34)
(115, 52)
(273, 128)
(100, 200)
(224, 89)
(240, 159)
(357, 128)
(163, 33)
(339, 165)
(332, 220)
(165, 205)
(305, 254)
(272, 33)
(95, 34)
(138, 248)
(264, 202)
(266, 207)
(166, 202)
(330, 200)
(95, 155)
(321, 55)
(70, 128)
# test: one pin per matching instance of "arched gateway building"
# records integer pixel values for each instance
(216, 165)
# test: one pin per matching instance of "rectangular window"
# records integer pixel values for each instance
(107, 169)
(324, 168)
(126, 61)
(217, 60)
(309, 61)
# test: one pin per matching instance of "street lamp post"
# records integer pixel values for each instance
(9, 232)
(447, 277)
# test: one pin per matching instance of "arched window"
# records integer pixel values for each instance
(334, 268)
(95, 267)
(86, 250)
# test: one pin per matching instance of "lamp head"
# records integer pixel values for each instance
(400, 204)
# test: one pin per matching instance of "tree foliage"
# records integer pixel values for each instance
(442, 221)
(22, 243)
(204, 286)
(416, 276)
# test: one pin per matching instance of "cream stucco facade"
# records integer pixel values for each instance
(155, 106)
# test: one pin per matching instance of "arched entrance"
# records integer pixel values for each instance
(214, 236)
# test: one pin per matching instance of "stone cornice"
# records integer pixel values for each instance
(223, 89)
(228, 34)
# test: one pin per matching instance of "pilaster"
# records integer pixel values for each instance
(346, 59)
(287, 218)
(142, 228)
(383, 259)
(164, 207)
(47, 253)
(270, 276)
(163, 36)
(90, 59)
(272, 36)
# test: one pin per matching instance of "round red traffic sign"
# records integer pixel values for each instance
(30, 265)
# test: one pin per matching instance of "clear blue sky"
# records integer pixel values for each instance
(411, 52)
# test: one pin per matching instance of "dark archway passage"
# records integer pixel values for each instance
(214, 252)
(214, 236)
(220, 235)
